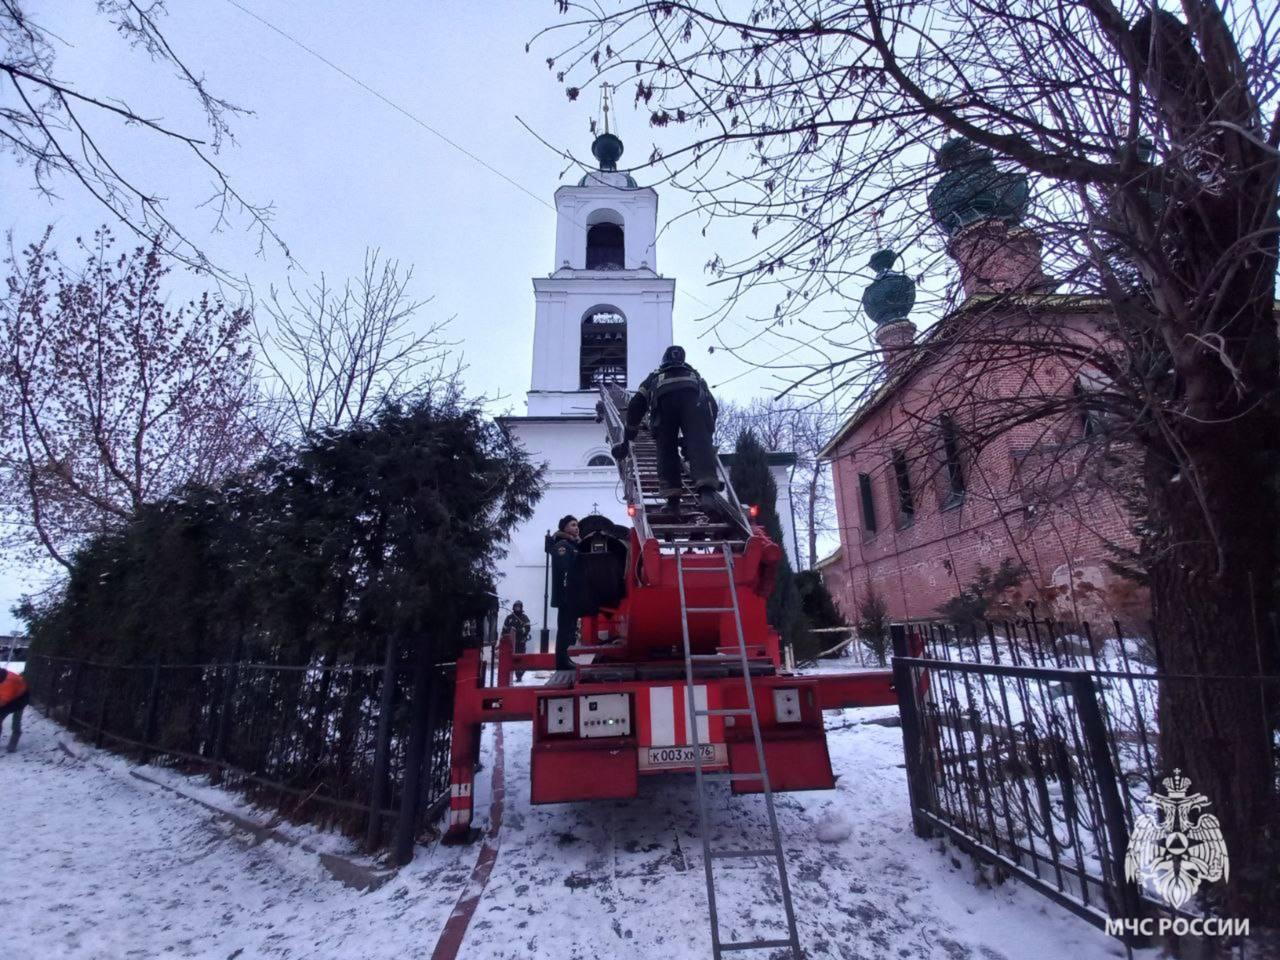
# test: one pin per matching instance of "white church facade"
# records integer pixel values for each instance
(603, 314)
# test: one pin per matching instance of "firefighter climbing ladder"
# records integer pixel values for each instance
(722, 530)
(710, 854)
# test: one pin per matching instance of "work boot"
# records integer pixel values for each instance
(672, 496)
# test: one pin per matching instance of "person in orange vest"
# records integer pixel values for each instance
(14, 698)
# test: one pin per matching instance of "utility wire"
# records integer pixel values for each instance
(410, 115)
(387, 100)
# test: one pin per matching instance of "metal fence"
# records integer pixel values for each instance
(322, 743)
(1035, 746)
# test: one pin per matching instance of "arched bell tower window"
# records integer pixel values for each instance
(603, 357)
(605, 247)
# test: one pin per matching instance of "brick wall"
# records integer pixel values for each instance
(1022, 499)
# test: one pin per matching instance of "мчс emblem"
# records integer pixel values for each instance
(1177, 846)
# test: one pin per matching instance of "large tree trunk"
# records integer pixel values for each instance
(1212, 560)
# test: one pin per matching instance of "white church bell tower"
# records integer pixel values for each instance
(603, 314)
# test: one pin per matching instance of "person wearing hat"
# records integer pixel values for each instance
(14, 698)
(680, 408)
(517, 623)
(563, 547)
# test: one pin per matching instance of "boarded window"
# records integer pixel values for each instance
(603, 356)
(605, 248)
(868, 503)
(951, 458)
(906, 502)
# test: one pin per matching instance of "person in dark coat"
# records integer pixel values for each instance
(682, 413)
(14, 697)
(517, 624)
(563, 547)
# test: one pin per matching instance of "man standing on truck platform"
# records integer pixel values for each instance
(563, 547)
(679, 404)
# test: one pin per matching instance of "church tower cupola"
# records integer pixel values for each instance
(979, 208)
(888, 300)
(603, 313)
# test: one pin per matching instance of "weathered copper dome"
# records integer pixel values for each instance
(892, 294)
(972, 189)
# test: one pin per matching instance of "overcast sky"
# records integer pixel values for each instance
(346, 171)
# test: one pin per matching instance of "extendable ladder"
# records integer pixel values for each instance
(722, 529)
(710, 854)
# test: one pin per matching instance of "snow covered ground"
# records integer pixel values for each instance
(102, 865)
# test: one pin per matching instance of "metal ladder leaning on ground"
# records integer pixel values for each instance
(731, 529)
(709, 854)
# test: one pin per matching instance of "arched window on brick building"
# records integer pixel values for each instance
(603, 356)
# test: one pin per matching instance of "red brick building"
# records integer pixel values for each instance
(974, 448)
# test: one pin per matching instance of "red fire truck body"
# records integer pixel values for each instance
(627, 713)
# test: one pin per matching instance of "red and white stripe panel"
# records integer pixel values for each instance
(664, 718)
(459, 802)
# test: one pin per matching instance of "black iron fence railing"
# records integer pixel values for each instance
(322, 742)
(1037, 747)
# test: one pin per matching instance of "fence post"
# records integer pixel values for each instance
(75, 692)
(904, 684)
(1123, 895)
(382, 747)
(102, 708)
(224, 721)
(149, 731)
(415, 753)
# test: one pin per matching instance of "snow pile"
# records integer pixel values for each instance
(832, 827)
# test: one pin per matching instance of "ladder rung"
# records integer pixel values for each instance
(709, 609)
(744, 853)
(733, 776)
(714, 658)
(733, 712)
(755, 944)
(688, 570)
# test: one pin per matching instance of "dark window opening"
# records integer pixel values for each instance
(906, 502)
(603, 357)
(1089, 426)
(951, 453)
(600, 460)
(868, 503)
(605, 248)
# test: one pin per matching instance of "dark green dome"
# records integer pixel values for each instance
(892, 294)
(972, 189)
(607, 148)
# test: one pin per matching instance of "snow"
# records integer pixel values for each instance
(833, 827)
(106, 865)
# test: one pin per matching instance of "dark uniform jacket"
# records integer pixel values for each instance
(517, 623)
(564, 562)
(666, 380)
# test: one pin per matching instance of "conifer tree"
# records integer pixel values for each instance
(754, 484)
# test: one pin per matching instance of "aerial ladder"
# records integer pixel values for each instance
(678, 672)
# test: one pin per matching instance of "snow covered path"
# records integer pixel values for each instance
(100, 865)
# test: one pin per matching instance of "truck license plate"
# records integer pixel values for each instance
(681, 757)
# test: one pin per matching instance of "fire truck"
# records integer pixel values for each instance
(677, 671)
